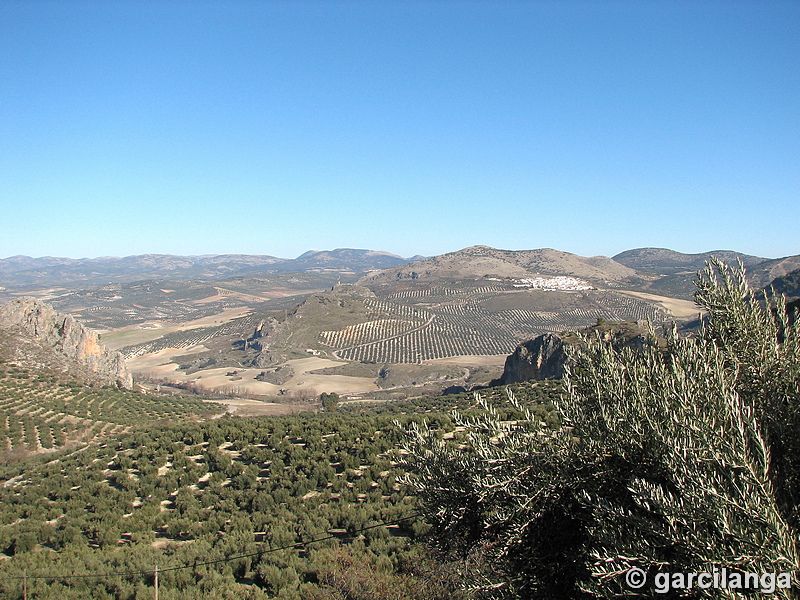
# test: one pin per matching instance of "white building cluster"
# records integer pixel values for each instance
(561, 282)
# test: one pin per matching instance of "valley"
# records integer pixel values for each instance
(270, 343)
(364, 300)
(287, 337)
(222, 464)
(410, 326)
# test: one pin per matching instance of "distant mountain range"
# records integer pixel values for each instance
(657, 270)
(48, 271)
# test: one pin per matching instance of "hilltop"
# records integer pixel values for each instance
(478, 262)
(672, 273)
(342, 259)
(662, 261)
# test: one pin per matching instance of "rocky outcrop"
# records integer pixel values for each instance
(543, 357)
(277, 376)
(40, 324)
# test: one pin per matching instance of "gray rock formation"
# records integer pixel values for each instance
(543, 357)
(39, 323)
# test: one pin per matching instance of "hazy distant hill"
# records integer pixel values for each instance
(662, 261)
(788, 284)
(342, 259)
(24, 271)
(767, 271)
(48, 271)
(18, 263)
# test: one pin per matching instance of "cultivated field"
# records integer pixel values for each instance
(37, 413)
(152, 330)
(423, 324)
(187, 337)
(242, 381)
(410, 326)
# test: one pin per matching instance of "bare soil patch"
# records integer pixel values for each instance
(680, 309)
(246, 407)
(161, 361)
(229, 314)
(114, 340)
(239, 381)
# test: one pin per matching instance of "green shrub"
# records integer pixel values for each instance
(664, 462)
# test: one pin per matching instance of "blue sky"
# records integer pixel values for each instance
(414, 127)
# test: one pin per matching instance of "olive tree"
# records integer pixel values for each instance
(663, 462)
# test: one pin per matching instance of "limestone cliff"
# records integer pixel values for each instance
(34, 332)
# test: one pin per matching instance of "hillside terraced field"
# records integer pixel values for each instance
(241, 327)
(421, 324)
(38, 413)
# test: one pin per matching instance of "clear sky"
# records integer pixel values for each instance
(183, 127)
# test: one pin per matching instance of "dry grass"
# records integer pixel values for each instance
(246, 407)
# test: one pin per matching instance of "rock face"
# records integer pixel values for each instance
(543, 357)
(39, 323)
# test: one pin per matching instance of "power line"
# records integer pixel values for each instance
(194, 565)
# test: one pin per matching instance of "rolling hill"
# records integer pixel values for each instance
(662, 261)
(788, 285)
(674, 272)
(477, 262)
(767, 271)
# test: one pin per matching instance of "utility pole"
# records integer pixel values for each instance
(155, 583)
(25, 584)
